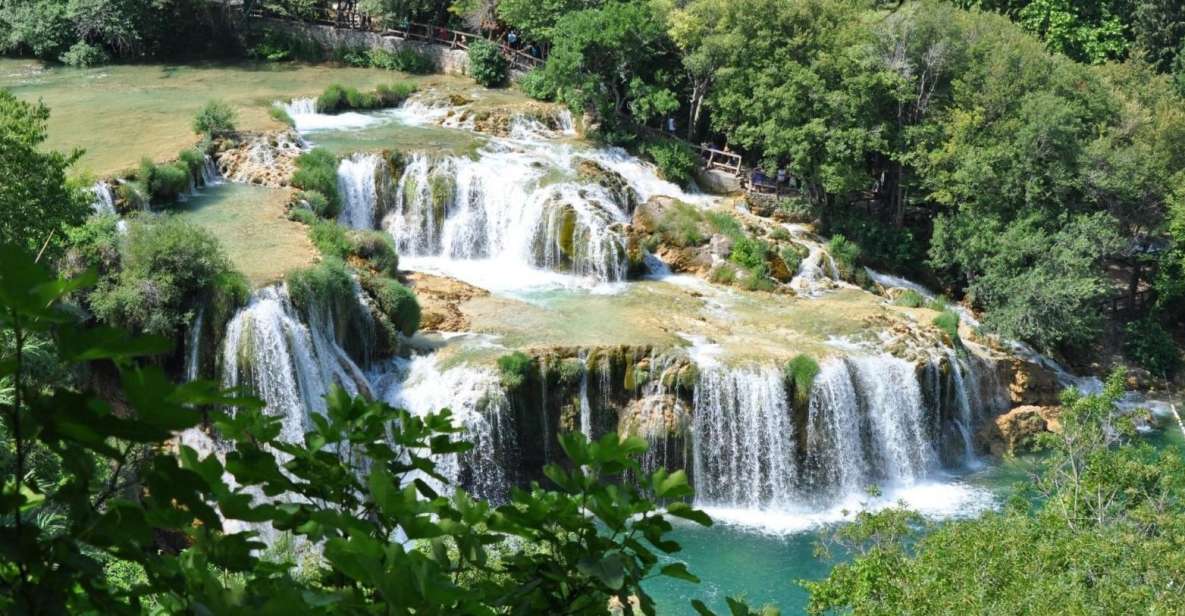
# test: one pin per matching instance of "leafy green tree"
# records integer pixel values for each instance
(537, 19)
(215, 118)
(169, 268)
(487, 64)
(615, 60)
(1099, 533)
(36, 201)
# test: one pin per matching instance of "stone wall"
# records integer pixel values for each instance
(451, 61)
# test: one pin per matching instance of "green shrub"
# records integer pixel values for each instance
(393, 95)
(487, 65)
(353, 56)
(396, 303)
(318, 204)
(169, 181)
(676, 160)
(758, 278)
(679, 225)
(320, 284)
(280, 115)
(133, 195)
(514, 368)
(330, 238)
(792, 255)
(536, 85)
(93, 245)
(214, 119)
(881, 245)
(724, 224)
(797, 209)
(801, 372)
(83, 55)
(404, 60)
(749, 253)
(910, 299)
(303, 215)
(378, 248)
(724, 273)
(356, 100)
(948, 322)
(780, 234)
(846, 255)
(281, 46)
(1150, 345)
(170, 267)
(332, 99)
(193, 161)
(316, 170)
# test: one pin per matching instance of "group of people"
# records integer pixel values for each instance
(761, 181)
(515, 42)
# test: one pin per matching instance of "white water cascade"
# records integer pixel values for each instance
(358, 180)
(104, 201)
(502, 207)
(479, 405)
(744, 439)
(193, 344)
(817, 271)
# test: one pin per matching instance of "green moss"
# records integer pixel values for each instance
(396, 304)
(792, 255)
(567, 234)
(514, 369)
(330, 238)
(800, 373)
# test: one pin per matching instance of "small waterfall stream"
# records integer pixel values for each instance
(104, 198)
(357, 182)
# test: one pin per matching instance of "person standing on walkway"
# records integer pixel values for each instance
(512, 39)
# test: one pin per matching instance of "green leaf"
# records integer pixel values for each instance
(609, 570)
(683, 510)
(701, 609)
(679, 571)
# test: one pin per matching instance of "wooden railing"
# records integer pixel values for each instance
(411, 31)
(1130, 304)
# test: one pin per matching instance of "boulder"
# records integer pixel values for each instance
(655, 417)
(717, 182)
(1031, 384)
(1013, 432)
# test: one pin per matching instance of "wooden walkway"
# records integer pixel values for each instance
(409, 31)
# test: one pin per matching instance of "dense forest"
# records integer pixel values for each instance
(1026, 157)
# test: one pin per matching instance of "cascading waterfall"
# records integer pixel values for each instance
(478, 405)
(358, 180)
(817, 270)
(743, 439)
(193, 344)
(289, 365)
(210, 175)
(585, 405)
(104, 201)
(499, 207)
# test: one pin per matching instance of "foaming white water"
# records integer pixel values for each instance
(193, 344)
(743, 443)
(104, 198)
(498, 207)
(933, 499)
(817, 272)
(479, 406)
(357, 183)
(303, 112)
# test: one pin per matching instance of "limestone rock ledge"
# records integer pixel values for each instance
(1014, 431)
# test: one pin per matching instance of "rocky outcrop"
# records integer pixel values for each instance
(1031, 384)
(623, 194)
(440, 300)
(1015, 431)
(263, 159)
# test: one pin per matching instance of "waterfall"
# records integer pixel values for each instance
(104, 201)
(193, 343)
(305, 117)
(479, 405)
(210, 175)
(743, 444)
(357, 182)
(817, 271)
(585, 406)
(288, 364)
(499, 207)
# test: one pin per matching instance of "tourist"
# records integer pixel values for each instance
(671, 125)
(512, 39)
(781, 176)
